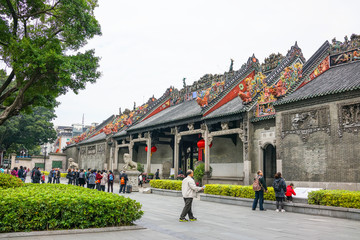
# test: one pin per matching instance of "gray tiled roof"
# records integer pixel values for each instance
(232, 107)
(98, 137)
(336, 80)
(120, 133)
(175, 113)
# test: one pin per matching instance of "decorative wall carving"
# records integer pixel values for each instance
(91, 150)
(83, 150)
(306, 122)
(101, 148)
(349, 118)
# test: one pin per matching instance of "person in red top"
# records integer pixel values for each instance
(289, 192)
(98, 180)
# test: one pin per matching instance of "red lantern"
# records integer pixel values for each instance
(201, 144)
(153, 149)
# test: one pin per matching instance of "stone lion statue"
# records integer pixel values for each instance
(129, 164)
(72, 164)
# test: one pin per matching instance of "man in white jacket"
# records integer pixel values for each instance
(189, 190)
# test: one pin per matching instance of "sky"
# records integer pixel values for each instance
(148, 46)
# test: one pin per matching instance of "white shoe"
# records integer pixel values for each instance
(277, 210)
(282, 210)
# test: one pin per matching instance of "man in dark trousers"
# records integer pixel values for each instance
(157, 174)
(123, 181)
(37, 175)
(189, 190)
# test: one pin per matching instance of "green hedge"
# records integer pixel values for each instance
(166, 184)
(63, 175)
(237, 191)
(58, 206)
(9, 181)
(336, 198)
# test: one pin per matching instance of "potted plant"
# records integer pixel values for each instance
(150, 176)
(172, 177)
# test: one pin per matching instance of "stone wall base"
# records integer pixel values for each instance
(327, 185)
(166, 192)
(339, 212)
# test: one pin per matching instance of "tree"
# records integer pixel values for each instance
(28, 131)
(38, 44)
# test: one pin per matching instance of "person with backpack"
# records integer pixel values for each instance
(98, 180)
(259, 186)
(123, 182)
(279, 186)
(91, 179)
(111, 178)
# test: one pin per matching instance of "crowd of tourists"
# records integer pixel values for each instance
(97, 179)
(280, 189)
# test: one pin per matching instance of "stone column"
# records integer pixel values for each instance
(244, 136)
(177, 139)
(148, 154)
(116, 156)
(207, 151)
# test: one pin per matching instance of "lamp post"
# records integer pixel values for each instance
(45, 156)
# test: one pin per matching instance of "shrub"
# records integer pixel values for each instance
(58, 206)
(63, 175)
(237, 191)
(336, 198)
(140, 167)
(166, 184)
(9, 181)
(200, 171)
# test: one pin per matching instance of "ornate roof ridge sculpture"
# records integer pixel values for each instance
(271, 62)
(345, 52)
(252, 64)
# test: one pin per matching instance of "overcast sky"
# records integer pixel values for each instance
(147, 46)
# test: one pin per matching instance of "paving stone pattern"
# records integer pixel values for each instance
(221, 221)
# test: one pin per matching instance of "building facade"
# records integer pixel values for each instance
(287, 114)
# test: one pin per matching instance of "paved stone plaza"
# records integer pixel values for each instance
(219, 221)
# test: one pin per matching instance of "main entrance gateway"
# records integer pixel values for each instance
(269, 163)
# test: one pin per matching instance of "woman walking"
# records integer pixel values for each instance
(82, 178)
(279, 186)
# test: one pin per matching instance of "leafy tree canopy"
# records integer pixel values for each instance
(39, 46)
(28, 131)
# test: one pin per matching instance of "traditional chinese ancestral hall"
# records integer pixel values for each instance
(287, 114)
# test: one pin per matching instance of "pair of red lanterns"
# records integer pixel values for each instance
(153, 149)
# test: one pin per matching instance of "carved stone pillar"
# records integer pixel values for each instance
(148, 154)
(244, 134)
(116, 156)
(177, 139)
(207, 150)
